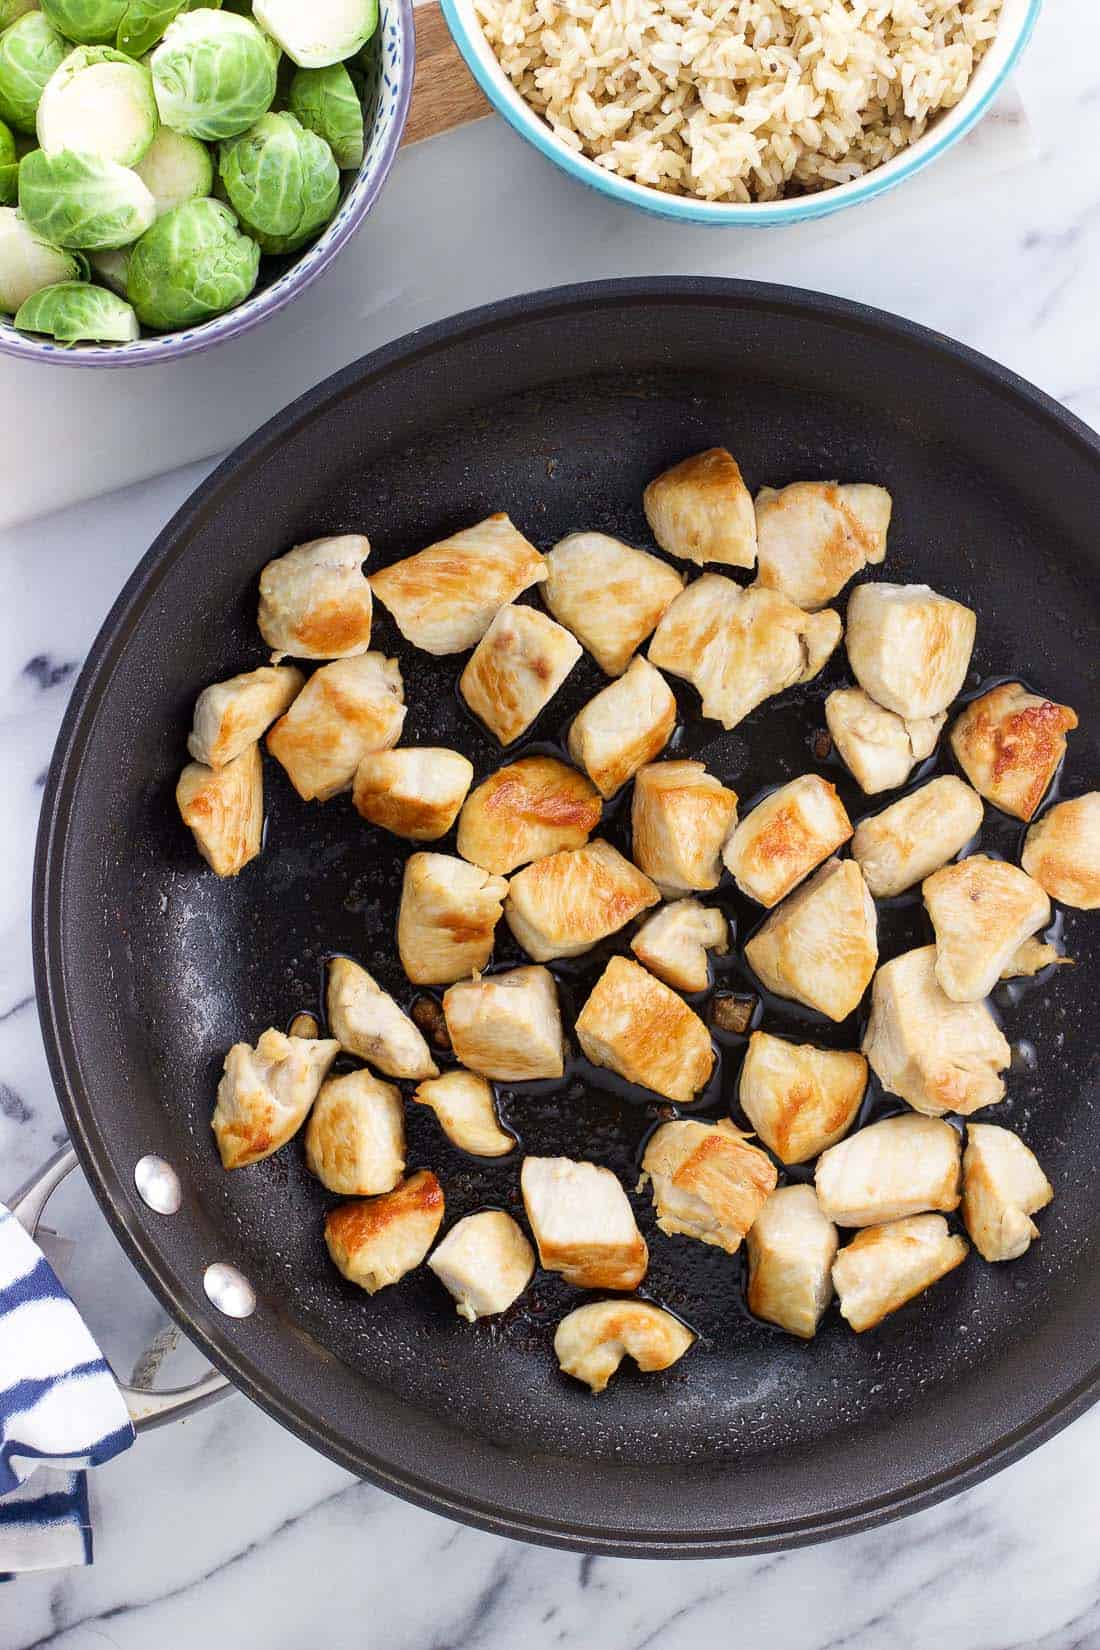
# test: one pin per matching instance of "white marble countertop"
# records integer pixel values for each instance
(225, 1531)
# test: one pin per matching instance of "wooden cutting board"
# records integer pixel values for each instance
(445, 93)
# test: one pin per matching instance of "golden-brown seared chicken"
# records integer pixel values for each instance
(701, 511)
(463, 1103)
(315, 602)
(1003, 1186)
(785, 837)
(625, 726)
(305, 1025)
(516, 669)
(415, 791)
(527, 810)
(345, 710)
(1062, 852)
(791, 1248)
(223, 808)
(680, 817)
(375, 1241)
(265, 1093)
(637, 1027)
(583, 1223)
(813, 536)
(885, 1266)
(507, 1026)
(355, 1137)
(798, 1098)
(233, 714)
(982, 911)
(738, 647)
(444, 598)
(448, 917)
(901, 1166)
(568, 902)
(673, 943)
(485, 1262)
(367, 1022)
(881, 749)
(608, 595)
(821, 945)
(708, 1182)
(1032, 957)
(1009, 743)
(592, 1342)
(908, 647)
(939, 1055)
(914, 836)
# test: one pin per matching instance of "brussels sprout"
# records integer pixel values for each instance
(100, 102)
(320, 33)
(11, 9)
(9, 167)
(30, 51)
(111, 268)
(27, 262)
(281, 181)
(77, 200)
(144, 21)
(175, 169)
(75, 311)
(192, 264)
(214, 74)
(88, 22)
(326, 101)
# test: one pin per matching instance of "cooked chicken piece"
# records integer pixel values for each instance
(939, 1055)
(708, 1182)
(367, 1022)
(223, 808)
(885, 1266)
(485, 1262)
(1032, 957)
(881, 749)
(444, 598)
(1009, 743)
(608, 595)
(375, 1241)
(1002, 1186)
(798, 1098)
(233, 714)
(265, 1093)
(785, 837)
(527, 810)
(583, 1223)
(813, 536)
(516, 669)
(673, 943)
(701, 511)
(914, 836)
(821, 945)
(901, 1166)
(414, 792)
(592, 1342)
(345, 711)
(507, 1026)
(908, 647)
(315, 602)
(463, 1103)
(568, 902)
(791, 1248)
(637, 1027)
(355, 1137)
(305, 1025)
(625, 726)
(680, 817)
(448, 917)
(982, 911)
(1062, 852)
(738, 647)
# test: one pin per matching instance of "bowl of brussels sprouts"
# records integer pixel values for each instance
(173, 173)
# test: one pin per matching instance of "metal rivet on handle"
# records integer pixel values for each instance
(229, 1290)
(158, 1185)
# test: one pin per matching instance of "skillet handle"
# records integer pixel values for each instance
(147, 1409)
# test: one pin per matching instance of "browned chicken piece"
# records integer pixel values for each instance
(813, 536)
(592, 1342)
(444, 599)
(673, 943)
(345, 711)
(625, 726)
(680, 817)
(914, 836)
(305, 1025)
(1009, 743)
(355, 1137)
(527, 810)
(785, 837)
(565, 904)
(1032, 957)
(485, 1262)
(1062, 852)
(982, 911)
(608, 595)
(447, 919)
(637, 1027)
(265, 1094)
(223, 808)
(367, 1022)
(885, 1266)
(701, 511)
(414, 792)
(231, 715)
(708, 1182)
(820, 946)
(583, 1223)
(463, 1103)
(791, 1248)
(516, 669)
(315, 602)
(507, 1026)
(879, 748)
(1003, 1186)
(738, 647)
(798, 1098)
(908, 647)
(901, 1166)
(375, 1241)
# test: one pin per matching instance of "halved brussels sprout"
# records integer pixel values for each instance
(100, 102)
(11, 9)
(281, 180)
(88, 22)
(111, 267)
(327, 102)
(75, 312)
(9, 167)
(30, 50)
(192, 264)
(320, 33)
(144, 21)
(83, 201)
(176, 168)
(214, 74)
(27, 262)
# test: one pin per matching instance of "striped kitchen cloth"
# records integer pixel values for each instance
(60, 1411)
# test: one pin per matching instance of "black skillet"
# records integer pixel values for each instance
(558, 408)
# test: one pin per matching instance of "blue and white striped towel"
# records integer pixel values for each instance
(60, 1411)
